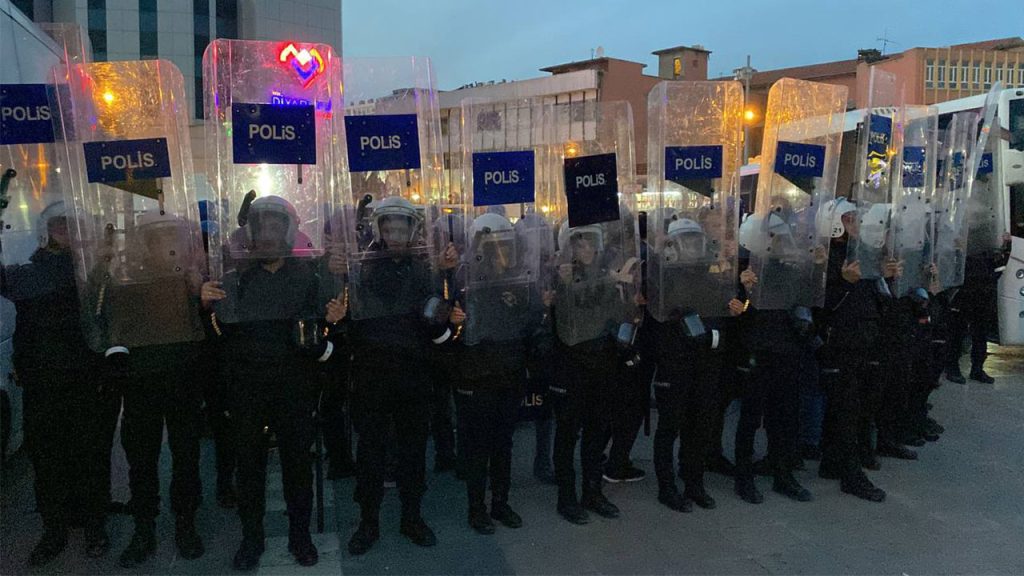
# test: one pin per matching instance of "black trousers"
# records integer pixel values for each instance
(69, 428)
(150, 402)
(487, 418)
(276, 400)
(336, 421)
(442, 427)
(772, 396)
(851, 382)
(378, 407)
(685, 411)
(584, 409)
(971, 313)
(630, 406)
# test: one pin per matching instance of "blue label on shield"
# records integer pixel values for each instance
(502, 178)
(591, 189)
(879, 135)
(271, 134)
(913, 166)
(795, 160)
(382, 142)
(986, 164)
(127, 160)
(25, 114)
(683, 163)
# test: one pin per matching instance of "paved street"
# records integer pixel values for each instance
(959, 509)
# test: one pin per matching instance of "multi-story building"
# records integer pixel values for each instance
(180, 31)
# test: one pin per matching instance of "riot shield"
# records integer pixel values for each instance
(499, 280)
(393, 138)
(29, 179)
(799, 162)
(914, 199)
(950, 228)
(876, 158)
(272, 110)
(598, 268)
(695, 141)
(126, 164)
(985, 211)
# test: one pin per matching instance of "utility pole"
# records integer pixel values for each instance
(744, 74)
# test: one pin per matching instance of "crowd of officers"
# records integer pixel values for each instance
(843, 387)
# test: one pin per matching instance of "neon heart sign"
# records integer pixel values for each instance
(307, 63)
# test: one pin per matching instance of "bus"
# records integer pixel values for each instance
(1008, 177)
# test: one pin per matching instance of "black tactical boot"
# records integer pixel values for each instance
(301, 546)
(190, 545)
(365, 536)
(699, 496)
(248, 555)
(97, 543)
(671, 498)
(594, 500)
(414, 528)
(503, 513)
(746, 489)
(478, 518)
(569, 507)
(142, 545)
(53, 542)
(860, 486)
(787, 485)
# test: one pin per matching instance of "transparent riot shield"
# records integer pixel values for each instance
(393, 141)
(799, 162)
(985, 211)
(877, 148)
(915, 199)
(695, 142)
(950, 228)
(597, 267)
(30, 191)
(500, 280)
(126, 165)
(271, 121)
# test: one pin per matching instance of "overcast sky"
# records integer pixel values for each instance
(481, 40)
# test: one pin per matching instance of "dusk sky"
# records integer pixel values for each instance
(481, 40)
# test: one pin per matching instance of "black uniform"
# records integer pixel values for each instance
(491, 383)
(973, 312)
(272, 388)
(850, 374)
(69, 414)
(390, 383)
(583, 394)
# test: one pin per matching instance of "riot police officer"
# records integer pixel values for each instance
(391, 333)
(270, 350)
(849, 358)
(158, 379)
(504, 328)
(69, 415)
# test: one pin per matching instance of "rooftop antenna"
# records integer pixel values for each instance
(885, 40)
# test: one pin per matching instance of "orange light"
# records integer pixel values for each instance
(572, 149)
(108, 97)
(749, 115)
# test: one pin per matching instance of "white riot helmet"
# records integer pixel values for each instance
(591, 232)
(759, 241)
(686, 242)
(51, 212)
(395, 207)
(829, 219)
(272, 207)
(493, 241)
(874, 224)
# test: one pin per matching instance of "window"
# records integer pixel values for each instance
(952, 75)
(200, 39)
(976, 74)
(999, 73)
(929, 73)
(988, 77)
(227, 18)
(1020, 75)
(677, 67)
(942, 74)
(27, 8)
(963, 74)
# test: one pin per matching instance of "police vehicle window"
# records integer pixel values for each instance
(1017, 124)
(1017, 210)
